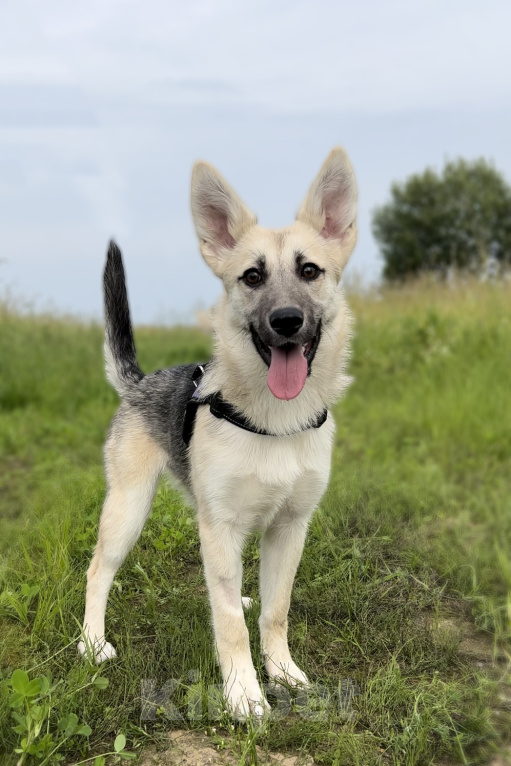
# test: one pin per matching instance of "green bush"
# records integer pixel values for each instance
(460, 218)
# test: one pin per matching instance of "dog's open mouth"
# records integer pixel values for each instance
(288, 364)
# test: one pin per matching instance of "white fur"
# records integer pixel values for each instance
(245, 482)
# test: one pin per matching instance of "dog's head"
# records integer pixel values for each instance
(282, 285)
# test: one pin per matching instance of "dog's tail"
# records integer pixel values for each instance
(122, 368)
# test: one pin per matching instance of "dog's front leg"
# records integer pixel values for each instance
(221, 551)
(281, 551)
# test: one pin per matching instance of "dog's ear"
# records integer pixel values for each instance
(220, 217)
(331, 204)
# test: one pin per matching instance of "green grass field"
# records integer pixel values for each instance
(403, 594)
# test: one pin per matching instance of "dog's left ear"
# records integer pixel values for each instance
(331, 204)
(219, 215)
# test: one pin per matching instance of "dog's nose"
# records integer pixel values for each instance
(286, 321)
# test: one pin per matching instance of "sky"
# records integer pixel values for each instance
(105, 106)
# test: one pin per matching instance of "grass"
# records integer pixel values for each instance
(402, 605)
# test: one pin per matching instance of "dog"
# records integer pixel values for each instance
(248, 436)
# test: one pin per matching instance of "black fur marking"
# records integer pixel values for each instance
(161, 400)
(117, 318)
(312, 351)
(301, 261)
(261, 268)
(261, 348)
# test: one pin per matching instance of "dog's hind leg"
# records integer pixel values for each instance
(134, 463)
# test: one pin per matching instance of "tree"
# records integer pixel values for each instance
(461, 218)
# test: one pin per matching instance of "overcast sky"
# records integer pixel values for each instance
(104, 107)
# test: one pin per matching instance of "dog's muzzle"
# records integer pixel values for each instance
(289, 363)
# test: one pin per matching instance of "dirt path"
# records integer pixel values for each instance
(191, 748)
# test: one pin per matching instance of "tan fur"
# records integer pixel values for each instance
(243, 481)
(133, 464)
(237, 374)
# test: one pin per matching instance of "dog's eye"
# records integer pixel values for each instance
(252, 277)
(310, 271)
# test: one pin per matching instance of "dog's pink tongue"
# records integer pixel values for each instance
(287, 373)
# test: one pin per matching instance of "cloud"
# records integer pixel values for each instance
(290, 56)
(105, 106)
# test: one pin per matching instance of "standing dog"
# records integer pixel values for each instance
(249, 436)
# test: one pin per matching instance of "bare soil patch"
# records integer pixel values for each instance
(192, 748)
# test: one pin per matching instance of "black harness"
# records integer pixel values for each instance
(224, 410)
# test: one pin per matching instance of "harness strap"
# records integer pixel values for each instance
(224, 410)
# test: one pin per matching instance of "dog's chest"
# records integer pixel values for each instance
(247, 477)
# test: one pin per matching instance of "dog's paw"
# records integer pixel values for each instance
(289, 672)
(246, 702)
(98, 652)
(246, 602)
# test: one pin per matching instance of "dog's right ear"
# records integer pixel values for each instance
(219, 215)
